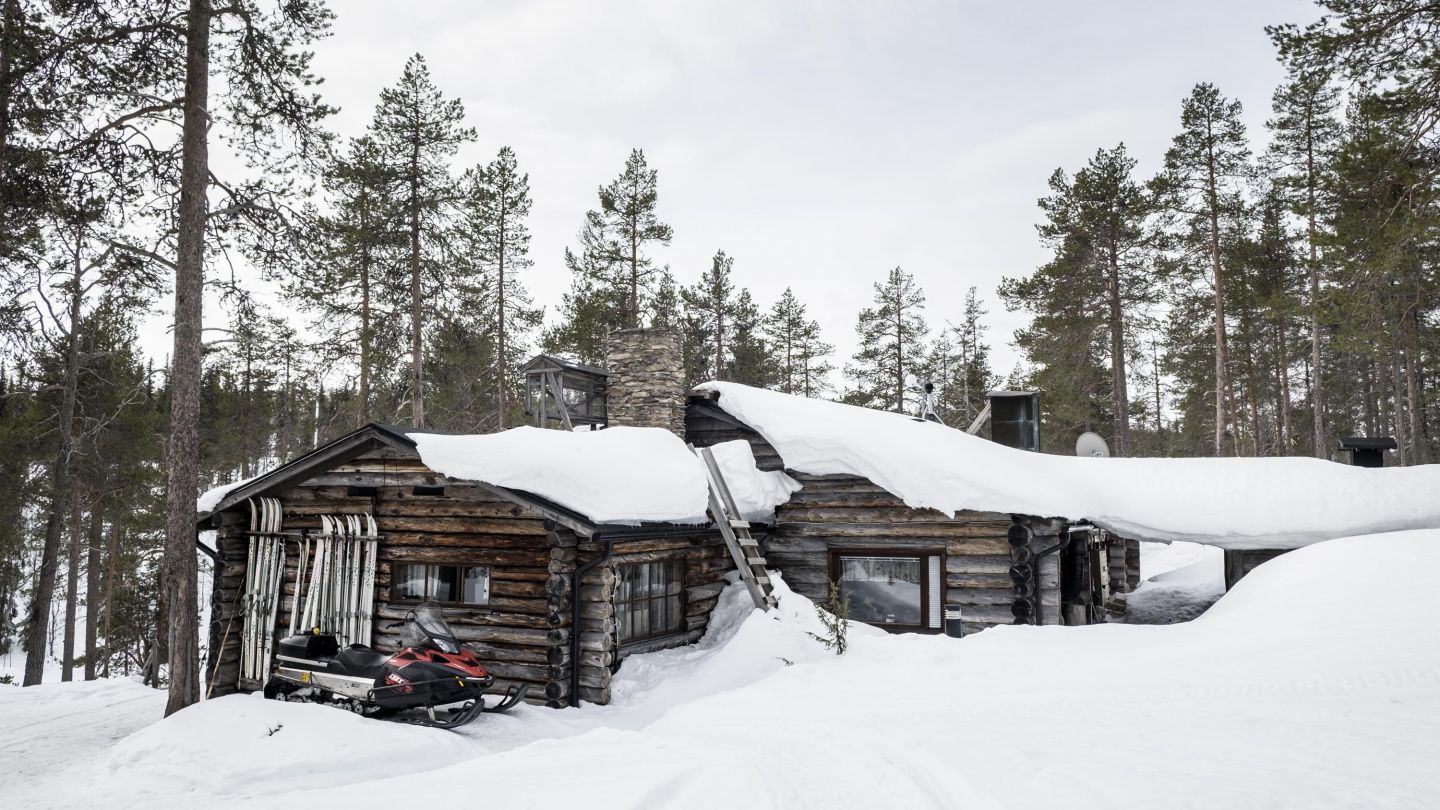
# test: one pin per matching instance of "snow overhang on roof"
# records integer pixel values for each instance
(1238, 503)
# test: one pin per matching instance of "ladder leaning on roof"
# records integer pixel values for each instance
(743, 549)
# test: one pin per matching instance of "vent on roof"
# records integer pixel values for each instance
(428, 492)
(361, 492)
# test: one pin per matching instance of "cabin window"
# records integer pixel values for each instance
(893, 589)
(650, 600)
(447, 584)
(428, 492)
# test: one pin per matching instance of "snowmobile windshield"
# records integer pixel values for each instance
(426, 627)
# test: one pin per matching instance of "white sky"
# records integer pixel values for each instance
(819, 143)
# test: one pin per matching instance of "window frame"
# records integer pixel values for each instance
(621, 605)
(396, 567)
(923, 555)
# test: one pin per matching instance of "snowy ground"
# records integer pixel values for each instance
(1292, 691)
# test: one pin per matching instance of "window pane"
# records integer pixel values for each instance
(445, 588)
(649, 600)
(410, 581)
(476, 587)
(882, 590)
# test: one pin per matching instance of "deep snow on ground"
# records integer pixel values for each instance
(1240, 503)
(1315, 683)
(1181, 580)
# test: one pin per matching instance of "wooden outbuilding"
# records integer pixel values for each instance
(542, 594)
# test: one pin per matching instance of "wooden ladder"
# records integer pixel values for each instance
(744, 550)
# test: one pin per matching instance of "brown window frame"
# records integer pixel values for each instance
(621, 605)
(921, 554)
(395, 578)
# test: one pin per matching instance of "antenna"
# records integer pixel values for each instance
(1091, 445)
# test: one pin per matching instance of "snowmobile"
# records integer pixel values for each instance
(430, 672)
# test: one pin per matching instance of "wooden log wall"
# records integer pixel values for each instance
(523, 635)
(836, 512)
(706, 562)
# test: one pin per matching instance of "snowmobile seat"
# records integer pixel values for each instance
(361, 661)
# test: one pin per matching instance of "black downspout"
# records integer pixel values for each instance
(580, 571)
(1035, 573)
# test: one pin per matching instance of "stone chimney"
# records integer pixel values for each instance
(647, 379)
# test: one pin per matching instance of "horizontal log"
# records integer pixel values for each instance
(428, 554)
(476, 540)
(887, 533)
(436, 524)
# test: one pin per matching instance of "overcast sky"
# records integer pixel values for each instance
(820, 144)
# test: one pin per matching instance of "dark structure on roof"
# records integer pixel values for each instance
(565, 394)
(1367, 451)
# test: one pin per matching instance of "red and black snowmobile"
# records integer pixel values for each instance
(411, 686)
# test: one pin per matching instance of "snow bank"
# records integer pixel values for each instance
(243, 745)
(1314, 684)
(1235, 503)
(623, 475)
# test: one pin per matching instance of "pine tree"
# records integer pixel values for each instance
(418, 131)
(892, 344)
(785, 327)
(497, 207)
(752, 361)
(1198, 189)
(353, 279)
(710, 319)
(959, 366)
(1305, 131)
(614, 280)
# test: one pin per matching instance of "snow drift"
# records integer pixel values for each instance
(1235, 503)
(1282, 695)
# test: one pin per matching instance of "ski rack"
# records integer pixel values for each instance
(264, 575)
(340, 595)
(744, 550)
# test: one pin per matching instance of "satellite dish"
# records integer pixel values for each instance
(1091, 445)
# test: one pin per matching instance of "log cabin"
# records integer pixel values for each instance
(541, 593)
(551, 596)
(907, 569)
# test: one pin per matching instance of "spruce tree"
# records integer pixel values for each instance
(752, 361)
(892, 344)
(785, 327)
(418, 131)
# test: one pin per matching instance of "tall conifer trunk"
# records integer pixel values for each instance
(72, 591)
(1223, 391)
(417, 355)
(1317, 398)
(92, 591)
(183, 448)
(38, 625)
(1119, 392)
(502, 368)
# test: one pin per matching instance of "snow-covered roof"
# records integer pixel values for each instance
(620, 475)
(1235, 503)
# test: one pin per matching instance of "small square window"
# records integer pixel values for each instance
(650, 600)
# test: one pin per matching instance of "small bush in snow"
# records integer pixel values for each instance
(833, 617)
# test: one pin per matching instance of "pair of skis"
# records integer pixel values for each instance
(264, 576)
(341, 589)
